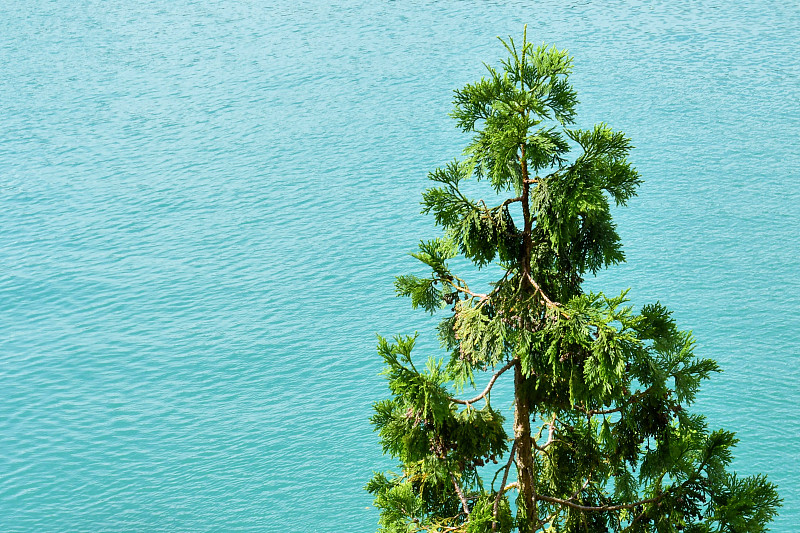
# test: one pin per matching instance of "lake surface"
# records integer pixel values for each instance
(203, 205)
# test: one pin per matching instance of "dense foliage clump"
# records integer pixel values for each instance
(603, 439)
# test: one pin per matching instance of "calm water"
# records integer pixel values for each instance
(204, 205)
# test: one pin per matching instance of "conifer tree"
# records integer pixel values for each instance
(602, 437)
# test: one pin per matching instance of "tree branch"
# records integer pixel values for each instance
(536, 286)
(590, 508)
(526, 215)
(514, 485)
(606, 508)
(633, 399)
(465, 290)
(546, 521)
(482, 297)
(488, 386)
(510, 201)
(691, 478)
(496, 506)
(620, 507)
(551, 432)
(449, 280)
(460, 495)
(438, 528)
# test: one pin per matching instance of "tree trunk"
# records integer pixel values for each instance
(527, 220)
(522, 437)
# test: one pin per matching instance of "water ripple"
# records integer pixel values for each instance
(204, 205)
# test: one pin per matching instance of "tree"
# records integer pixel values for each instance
(602, 437)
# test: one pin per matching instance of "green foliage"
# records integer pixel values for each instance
(616, 447)
(427, 292)
(480, 233)
(746, 504)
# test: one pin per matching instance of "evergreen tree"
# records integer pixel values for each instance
(602, 437)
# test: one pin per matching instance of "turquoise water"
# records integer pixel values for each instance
(204, 205)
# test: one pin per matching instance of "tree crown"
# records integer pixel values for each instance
(616, 448)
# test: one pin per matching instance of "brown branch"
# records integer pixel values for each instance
(465, 290)
(671, 489)
(590, 508)
(543, 447)
(550, 435)
(526, 215)
(437, 528)
(488, 386)
(496, 506)
(547, 520)
(555, 513)
(499, 285)
(536, 286)
(633, 399)
(482, 297)
(487, 296)
(566, 425)
(460, 495)
(585, 484)
(514, 485)
(620, 507)
(510, 201)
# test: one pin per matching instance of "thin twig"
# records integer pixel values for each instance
(465, 290)
(496, 506)
(590, 508)
(671, 489)
(536, 286)
(510, 201)
(460, 495)
(514, 485)
(488, 386)
(550, 432)
(482, 298)
(546, 521)
(577, 492)
(633, 399)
